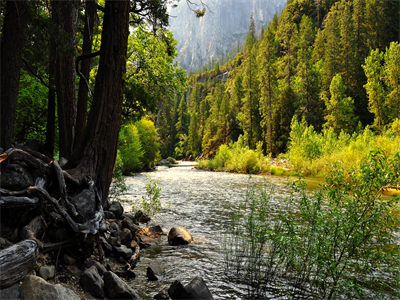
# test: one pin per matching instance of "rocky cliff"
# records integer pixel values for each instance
(222, 29)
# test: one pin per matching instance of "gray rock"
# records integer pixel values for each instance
(85, 203)
(177, 291)
(47, 272)
(105, 245)
(92, 282)
(155, 271)
(131, 217)
(117, 209)
(126, 236)
(100, 268)
(128, 223)
(116, 288)
(36, 288)
(124, 252)
(179, 236)
(197, 289)
(114, 229)
(12, 292)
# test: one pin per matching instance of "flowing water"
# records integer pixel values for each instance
(202, 202)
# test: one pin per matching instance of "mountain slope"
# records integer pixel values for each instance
(224, 26)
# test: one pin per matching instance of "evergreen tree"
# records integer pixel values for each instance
(392, 79)
(340, 109)
(268, 84)
(373, 68)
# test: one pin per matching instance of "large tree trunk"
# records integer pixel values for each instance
(51, 104)
(65, 16)
(11, 50)
(101, 137)
(83, 97)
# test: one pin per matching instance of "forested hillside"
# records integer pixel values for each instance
(334, 64)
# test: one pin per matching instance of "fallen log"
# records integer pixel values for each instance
(13, 201)
(16, 262)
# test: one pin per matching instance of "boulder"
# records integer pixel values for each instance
(179, 236)
(116, 288)
(105, 245)
(36, 288)
(47, 272)
(177, 291)
(197, 289)
(117, 209)
(128, 223)
(149, 235)
(123, 252)
(92, 282)
(100, 268)
(154, 272)
(131, 217)
(12, 292)
(126, 236)
(114, 229)
(85, 204)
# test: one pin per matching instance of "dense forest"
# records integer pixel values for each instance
(332, 64)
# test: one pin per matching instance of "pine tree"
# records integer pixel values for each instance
(307, 81)
(373, 68)
(392, 79)
(268, 84)
(340, 109)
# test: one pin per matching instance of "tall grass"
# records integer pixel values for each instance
(338, 242)
(237, 157)
(313, 153)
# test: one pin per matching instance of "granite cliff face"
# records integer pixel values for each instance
(224, 27)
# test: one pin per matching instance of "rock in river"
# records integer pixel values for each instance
(179, 236)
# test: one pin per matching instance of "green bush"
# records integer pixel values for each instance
(130, 150)
(339, 242)
(150, 142)
(237, 157)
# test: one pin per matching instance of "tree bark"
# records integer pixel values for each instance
(83, 97)
(11, 59)
(98, 154)
(51, 104)
(65, 16)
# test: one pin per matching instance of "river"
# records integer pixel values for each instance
(202, 202)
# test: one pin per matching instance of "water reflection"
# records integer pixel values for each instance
(202, 202)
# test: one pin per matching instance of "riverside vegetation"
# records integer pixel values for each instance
(336, 242)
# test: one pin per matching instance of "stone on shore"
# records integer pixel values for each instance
(116, 288)
(36, 288)
(92, 282)
(179, 236)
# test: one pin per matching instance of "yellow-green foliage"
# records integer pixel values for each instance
(313, 153)
(238, 158)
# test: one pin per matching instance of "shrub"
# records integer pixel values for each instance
(150, 142)
(312, 153)
(237, 157)
(130, 149)
(338, 242)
